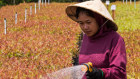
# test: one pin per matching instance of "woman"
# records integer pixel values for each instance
(101, 44)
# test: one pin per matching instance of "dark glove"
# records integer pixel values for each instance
(95, 74)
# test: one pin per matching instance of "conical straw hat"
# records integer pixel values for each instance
(95, 6)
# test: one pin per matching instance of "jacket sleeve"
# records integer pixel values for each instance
(117, 60)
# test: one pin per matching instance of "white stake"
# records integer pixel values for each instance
(45, 2)
(16, 18)
(5, 26)
(35, 8)
(113, 8)
(107, 3)
(123, 1)
(130, 1)
(48, 1)
(42, 2)
(25, 14)
(39, 5)
(126, 1)
(30, 10)
(134, 3)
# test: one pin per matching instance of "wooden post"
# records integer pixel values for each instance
(113, 14)
(107, 7)
(113, 8)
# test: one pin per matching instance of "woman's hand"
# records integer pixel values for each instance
(95, 74)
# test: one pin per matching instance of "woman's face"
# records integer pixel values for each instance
(88, 24)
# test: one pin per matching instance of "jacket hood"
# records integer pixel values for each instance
(103, 30)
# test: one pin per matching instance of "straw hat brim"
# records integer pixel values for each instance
(96, 6)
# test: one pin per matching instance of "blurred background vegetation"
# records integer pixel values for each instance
(15, 2)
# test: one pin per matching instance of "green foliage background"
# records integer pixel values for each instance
(13, 2)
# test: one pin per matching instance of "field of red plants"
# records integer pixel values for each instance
(47, 42)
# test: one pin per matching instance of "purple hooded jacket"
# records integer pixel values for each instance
(106, 50)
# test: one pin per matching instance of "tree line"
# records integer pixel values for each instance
(15, 2)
